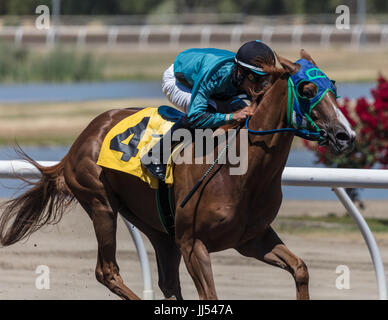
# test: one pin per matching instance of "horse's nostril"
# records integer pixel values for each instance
(342, 136)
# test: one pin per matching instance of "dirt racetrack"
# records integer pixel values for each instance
(69, 249)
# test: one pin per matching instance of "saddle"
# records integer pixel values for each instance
(129, 140)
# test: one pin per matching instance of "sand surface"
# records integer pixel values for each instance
(69, 250)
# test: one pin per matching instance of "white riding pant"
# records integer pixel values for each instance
(178, 94)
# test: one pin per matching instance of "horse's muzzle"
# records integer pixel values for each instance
(340, 141)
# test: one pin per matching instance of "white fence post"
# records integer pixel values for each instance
(144, 35)
(325, 35)
(297, 36)
(267, 34)
(384, 35)
(148, 291)
(235, 38)
(174, 35)
(19, 36)
(81, 37)
(205, 35)
(369, 239)
(112, 36)
(356, 36)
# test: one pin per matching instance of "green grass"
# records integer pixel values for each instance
(328, 223)
(20, 65)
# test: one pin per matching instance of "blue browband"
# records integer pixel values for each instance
(299, 107)
(302, 106)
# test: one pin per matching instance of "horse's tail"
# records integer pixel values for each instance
(44, 203)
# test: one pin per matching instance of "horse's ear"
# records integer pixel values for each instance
(287, 65)
(305, 55)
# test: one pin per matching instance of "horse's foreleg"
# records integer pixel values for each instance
(270, 249)
(198, 264)
(168, 258)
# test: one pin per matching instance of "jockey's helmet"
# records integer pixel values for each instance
(248, 58)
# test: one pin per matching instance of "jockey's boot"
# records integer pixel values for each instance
(153, 161)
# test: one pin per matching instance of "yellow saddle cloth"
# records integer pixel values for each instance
(132, 138)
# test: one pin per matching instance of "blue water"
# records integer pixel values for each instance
(19, 93)
(299, 158)
(355, 90)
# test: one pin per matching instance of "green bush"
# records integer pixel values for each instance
(57, 65)
(12, 63)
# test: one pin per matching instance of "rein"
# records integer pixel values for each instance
(303, 133)
(198, 184)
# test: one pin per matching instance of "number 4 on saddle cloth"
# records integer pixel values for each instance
(132, 138)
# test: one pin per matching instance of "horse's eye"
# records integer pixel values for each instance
(307, 90)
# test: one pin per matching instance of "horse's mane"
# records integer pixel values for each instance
(275, 74)
(267, 64)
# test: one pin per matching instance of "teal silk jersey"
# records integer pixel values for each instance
(207, 72)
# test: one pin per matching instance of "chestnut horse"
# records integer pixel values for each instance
(226, 212)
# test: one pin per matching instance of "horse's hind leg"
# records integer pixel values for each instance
(107, 269)
(270, 249)
(93, 196)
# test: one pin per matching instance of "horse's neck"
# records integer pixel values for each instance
(267, 155)
(272, 110)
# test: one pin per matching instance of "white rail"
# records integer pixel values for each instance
(326, 177)
(337, 179)
(181, 34)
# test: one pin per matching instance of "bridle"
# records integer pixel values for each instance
(299, 108)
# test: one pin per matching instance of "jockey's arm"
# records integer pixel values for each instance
(198, 115)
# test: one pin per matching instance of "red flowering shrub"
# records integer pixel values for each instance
(370, 121)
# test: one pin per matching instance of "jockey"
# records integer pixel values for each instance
(210, 86)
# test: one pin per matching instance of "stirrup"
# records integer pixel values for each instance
(157, 170)
(155, 167)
